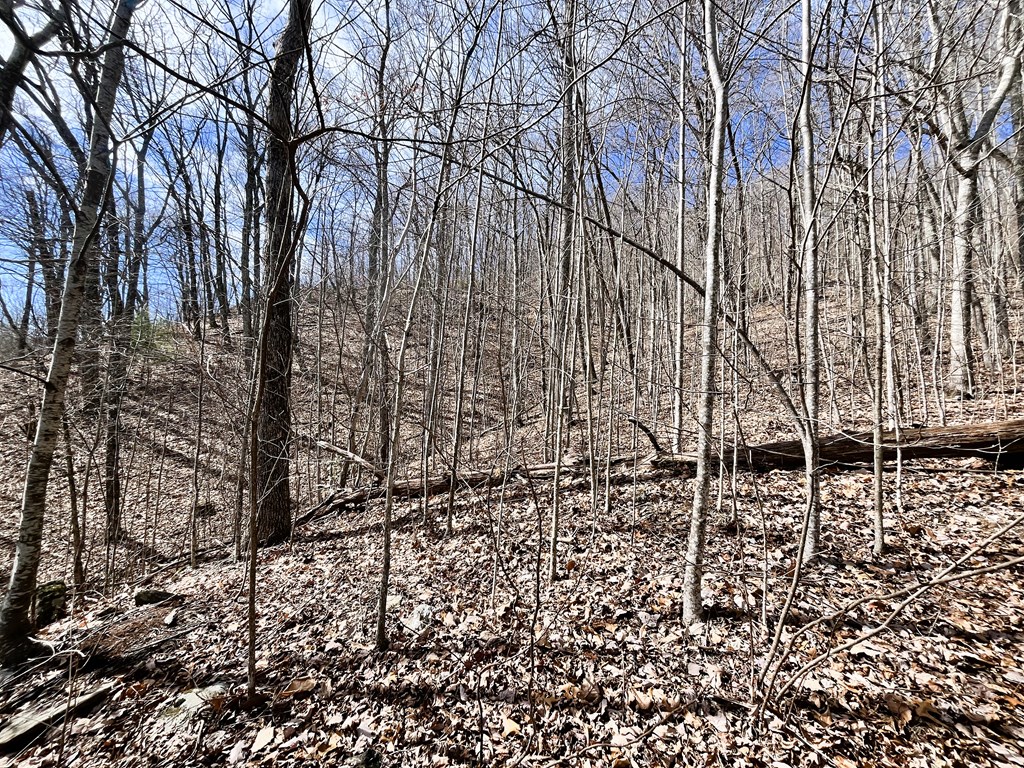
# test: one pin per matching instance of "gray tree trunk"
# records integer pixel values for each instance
(15, 622)
(811, 361)
(968, 147)
(965, 221)
(679, 331)
(13, 70)
(694, 568)
(273, 430)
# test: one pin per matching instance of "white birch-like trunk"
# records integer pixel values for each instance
(811, 362)
(965, 220)
(694, 567)
(679, 336)
(15, 622)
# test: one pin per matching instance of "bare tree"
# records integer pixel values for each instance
(809, 271)
(26, 46)
(14, 613)
(694, 570)
(966, 149)
(272, 435)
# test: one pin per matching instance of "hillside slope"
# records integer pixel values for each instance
(490, 665)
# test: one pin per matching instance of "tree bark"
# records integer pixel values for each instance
(13, 71)
(274, 519)
(15, 622)
(961, 347)
(694, 567)
(1017, 125)
(1000, 442)
(966, 148)
(679, 331)
(811, 364)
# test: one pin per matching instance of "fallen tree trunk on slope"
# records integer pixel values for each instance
(406, 489)
(573, 473)
(1001, 443)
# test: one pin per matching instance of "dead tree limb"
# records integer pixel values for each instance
(1001, 443)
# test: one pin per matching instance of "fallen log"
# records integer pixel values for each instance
(406, 489)
(1001, 443)
(23, 726)
(471, 480)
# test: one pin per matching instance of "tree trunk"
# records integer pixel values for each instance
(220, 247)
(968, 148)
(679, 331)
(33, 252)
(694, 567)
(961, 347)
(271, 478)
(249, 244)
(1016, 97)
(811, 365)
(25, 47)
(14, 613)
(560, 396)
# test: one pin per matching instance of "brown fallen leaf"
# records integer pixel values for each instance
(299, 685)
(263, 738)
(511, 727)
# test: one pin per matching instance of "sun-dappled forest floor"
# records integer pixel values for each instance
(912, 659)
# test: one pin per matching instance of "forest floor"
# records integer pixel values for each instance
(489, 664)
(915, 658)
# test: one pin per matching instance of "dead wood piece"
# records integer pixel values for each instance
(1001, 442)
(19, 697)
(646, 430)
(26, 725)
(414, 488)
(348, 455)
(573, 474)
